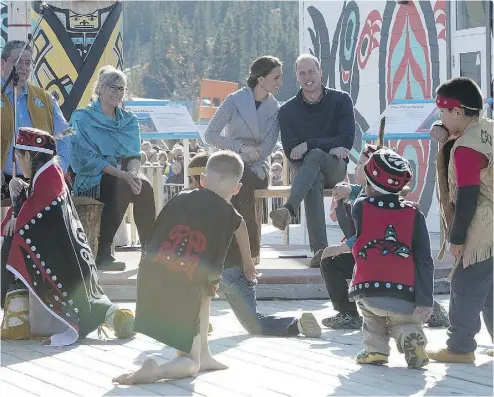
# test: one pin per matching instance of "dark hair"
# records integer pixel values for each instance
(464, 90)
(261, 67)
(38, 160)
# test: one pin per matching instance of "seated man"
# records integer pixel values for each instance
(317, 131)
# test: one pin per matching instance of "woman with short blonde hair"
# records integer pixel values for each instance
(106, 157)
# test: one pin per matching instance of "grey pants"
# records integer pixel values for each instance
(471, 294)
(318, 170)
(380, 325)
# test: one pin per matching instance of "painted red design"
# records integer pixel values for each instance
(369, 37)
(440, 18)
(180, 253)
(408, 48)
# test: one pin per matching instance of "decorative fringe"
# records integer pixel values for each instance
(479, 254)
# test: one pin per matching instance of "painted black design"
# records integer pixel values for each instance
(387, 245)
(485, 137)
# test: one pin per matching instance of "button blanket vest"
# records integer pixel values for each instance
(383, 252)
(40, 110)
(478, 245)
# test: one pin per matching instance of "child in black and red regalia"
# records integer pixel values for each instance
(46, 256)
(182, 266)
(393, 276)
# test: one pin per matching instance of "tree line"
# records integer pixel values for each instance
(169, 46)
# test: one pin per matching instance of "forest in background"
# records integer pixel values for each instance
(169, 46)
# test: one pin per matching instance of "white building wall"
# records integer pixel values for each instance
(379, 51)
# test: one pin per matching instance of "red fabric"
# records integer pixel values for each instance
(376, 249)
(469, 163)
(447, 103)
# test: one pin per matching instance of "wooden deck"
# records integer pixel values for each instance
(258, 366)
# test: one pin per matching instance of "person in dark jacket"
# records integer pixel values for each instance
(317, 132)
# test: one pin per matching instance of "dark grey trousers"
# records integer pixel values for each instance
(471, 294)
(318, 170)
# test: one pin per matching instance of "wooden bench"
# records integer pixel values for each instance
(282, 192)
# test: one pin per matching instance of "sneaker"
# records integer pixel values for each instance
(124, 324)
(109, 263)
(309, 326)
(373, 358)
(439, 317)
(414, 349)
(316, 260)
(447, 356)
(343, 321)
(281, 218)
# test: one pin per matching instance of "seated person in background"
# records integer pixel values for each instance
(144, 157)
(182, 266)
(277, 157)
(106, 160)
(178, 176)
(46, 257)
(276, 174)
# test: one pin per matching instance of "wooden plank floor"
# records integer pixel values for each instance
(258, 366)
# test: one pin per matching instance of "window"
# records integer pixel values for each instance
(470, 14)
(470, 66)
(216, 102)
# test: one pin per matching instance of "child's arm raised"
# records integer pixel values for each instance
(243, 242)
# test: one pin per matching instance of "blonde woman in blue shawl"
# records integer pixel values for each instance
(106, 161)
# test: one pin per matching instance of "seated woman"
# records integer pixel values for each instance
(46, 256)
(247, 123)
(106, 160)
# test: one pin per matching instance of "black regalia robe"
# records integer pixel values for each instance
(183, 258)
(50, 254)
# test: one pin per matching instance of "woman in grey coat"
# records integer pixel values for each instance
(247, 123)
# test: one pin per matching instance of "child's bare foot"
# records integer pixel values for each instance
(148, 373)
(208, 363)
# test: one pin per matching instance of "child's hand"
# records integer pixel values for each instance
(10, 227)
(250, 271)
(334, 250)
(16, 186)
(422, 313)
(341, 191)
(456, 250)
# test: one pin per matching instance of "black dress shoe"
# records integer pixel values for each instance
(109, 263)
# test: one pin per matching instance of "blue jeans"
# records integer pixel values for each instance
(242, 299)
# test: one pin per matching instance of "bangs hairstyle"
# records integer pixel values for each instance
(108, 76)
(226, 165)
(466, 91)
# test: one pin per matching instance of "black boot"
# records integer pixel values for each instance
(106, 261)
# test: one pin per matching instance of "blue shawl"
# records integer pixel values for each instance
(99, 141)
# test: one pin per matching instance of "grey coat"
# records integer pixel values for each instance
(237, 122)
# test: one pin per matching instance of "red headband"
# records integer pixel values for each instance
(450, 103)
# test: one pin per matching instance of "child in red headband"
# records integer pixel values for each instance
(465, 186)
